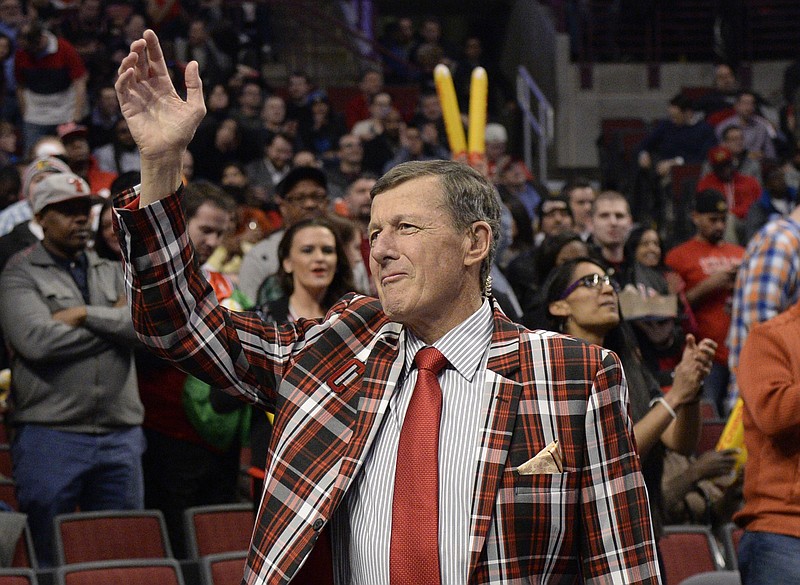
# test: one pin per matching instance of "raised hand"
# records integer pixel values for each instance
(160, 121)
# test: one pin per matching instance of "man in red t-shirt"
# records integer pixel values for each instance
(740, 191)
(708, 268)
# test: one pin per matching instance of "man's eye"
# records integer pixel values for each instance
(406, 227)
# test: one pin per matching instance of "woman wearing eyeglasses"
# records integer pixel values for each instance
(581, 300)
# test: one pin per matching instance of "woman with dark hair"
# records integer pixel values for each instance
(581, 300)
(313, 273)
(106, 243)
(528, 271)
(660, 340)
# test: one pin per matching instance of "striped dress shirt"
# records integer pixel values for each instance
(363, 527)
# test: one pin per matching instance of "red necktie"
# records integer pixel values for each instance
(414, 553)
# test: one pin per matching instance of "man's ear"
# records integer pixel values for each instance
(559, 308)
(480, 240)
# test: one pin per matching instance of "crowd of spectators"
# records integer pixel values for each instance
(283, 161)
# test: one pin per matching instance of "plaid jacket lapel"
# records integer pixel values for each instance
(501, 381)
(375, 387)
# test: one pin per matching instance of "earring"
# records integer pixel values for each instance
(487, 287)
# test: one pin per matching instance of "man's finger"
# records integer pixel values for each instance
(155, 57)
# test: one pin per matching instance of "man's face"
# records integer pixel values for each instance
(431, 31)
(306, 200)
(611, 221)
(197, 33)
(710, 226)
(405, 26)
(66, 226)
(381, 106)
(513, 178)
(232, 176)
(418, 259)
(723, 170)
(734, 141)
(11, 12)
(724, 79)
(250, 96)
(350, 149)
(776, 184)
(77, 150)
(274, 110)
(678, 116)
(495, 150)
(555, 219)
(298, 87)
(414, 142)
(135, 27)
(393, 123)
(472, 48)
(280, 152)
(123, 134)
(358, 199)
(745, 106)
(431, 108)
(372, 82)
(206, 229)
(108, 101)
(187, 165)
(580, 201)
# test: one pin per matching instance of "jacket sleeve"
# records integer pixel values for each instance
(618, 545)
(176, 314)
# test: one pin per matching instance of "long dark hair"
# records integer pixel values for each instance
(632, 242)
(101, 246)
(620, 339)
(342, 282)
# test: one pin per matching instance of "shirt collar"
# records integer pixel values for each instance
(464, 346)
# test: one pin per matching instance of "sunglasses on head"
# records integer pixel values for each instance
(590, 281)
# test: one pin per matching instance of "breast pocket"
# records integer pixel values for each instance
(57, 298)
(543, 508)
(539, 486)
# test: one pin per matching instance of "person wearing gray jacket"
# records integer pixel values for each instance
(76, 411)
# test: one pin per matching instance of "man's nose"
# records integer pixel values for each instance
(381, 247)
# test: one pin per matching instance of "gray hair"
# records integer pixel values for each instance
(468, 197)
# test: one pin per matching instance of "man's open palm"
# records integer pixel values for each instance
(159, 120)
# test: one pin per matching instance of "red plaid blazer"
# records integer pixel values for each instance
(329, 383)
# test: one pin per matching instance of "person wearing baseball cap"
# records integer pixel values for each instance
(80, 159)
(301, 194)
(20, 212)
(77, 410)
(17, 223)
(740, 191)
(708, 265)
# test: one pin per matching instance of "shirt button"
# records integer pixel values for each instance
(318, 524)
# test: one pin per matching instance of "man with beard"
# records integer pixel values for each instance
(708, 268)
(77, 412)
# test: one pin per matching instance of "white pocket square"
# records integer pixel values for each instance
(548, 460)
